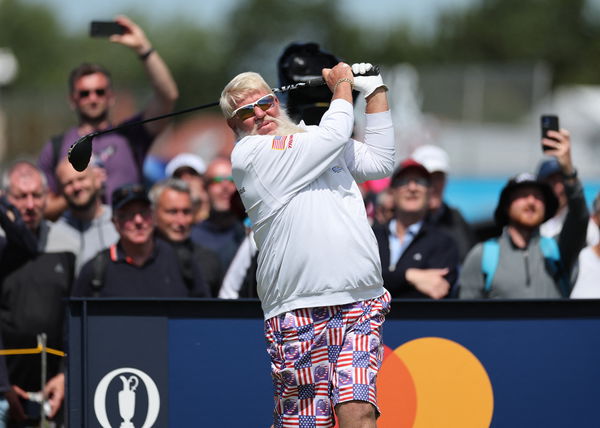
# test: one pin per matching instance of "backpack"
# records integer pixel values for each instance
(550, 250)
(56, 142)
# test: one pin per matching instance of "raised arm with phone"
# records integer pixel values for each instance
(118, 156)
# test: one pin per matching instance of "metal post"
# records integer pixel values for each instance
(42, 341)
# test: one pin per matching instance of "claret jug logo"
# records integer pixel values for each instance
(124, 395)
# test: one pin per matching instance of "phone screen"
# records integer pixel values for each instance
(549, 122)
(105, 28)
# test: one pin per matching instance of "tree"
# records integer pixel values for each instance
(555, 31)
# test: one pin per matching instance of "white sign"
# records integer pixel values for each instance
(130, 379)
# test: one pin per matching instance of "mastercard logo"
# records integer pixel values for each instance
(433, 382)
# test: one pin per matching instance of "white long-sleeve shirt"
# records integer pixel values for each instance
(316, 247)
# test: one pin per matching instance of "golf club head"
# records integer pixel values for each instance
(80, 152)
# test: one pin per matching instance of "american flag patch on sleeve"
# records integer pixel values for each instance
(279, 142)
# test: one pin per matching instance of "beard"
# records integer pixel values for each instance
(527, 219)
(285, 126)
(85, 205)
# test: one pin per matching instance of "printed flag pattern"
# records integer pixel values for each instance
(324, 356)
(279, 142)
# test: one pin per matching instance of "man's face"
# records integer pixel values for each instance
(384, 209)
(173, 215)
(79, 188)
(27, 193)
(411, 192)
(197, 186)
(220, 186)
(92, 97)
(596, 218)
(527, 208)
(261, 123)
(134, 222)
(438, 183)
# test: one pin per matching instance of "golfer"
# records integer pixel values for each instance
(319, 274)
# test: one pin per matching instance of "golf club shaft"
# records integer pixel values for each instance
(316, 81)
(81, 151)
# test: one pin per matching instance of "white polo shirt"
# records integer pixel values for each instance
(316, 247)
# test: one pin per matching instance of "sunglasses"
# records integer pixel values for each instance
(247, 111)
(404, 181)
(86, 93)
(128, 216)
(220, 179)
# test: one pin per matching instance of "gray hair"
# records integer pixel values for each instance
(20, 163)
(239, 88)
(170, 183)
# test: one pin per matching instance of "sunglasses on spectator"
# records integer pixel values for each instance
(84, 93)
(127, 216)
(405, 181)
(221, 178)
(247, 111)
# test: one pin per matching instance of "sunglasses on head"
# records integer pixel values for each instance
(86, 93)
(247, 111)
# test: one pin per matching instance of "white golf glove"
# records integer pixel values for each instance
(366, 85)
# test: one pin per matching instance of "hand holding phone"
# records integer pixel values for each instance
(105, 28)
(549, 122)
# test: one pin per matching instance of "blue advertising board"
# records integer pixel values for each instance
(149, 363)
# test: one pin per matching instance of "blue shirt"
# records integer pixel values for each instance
(398, 246)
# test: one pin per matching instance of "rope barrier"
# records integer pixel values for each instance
(38, 350)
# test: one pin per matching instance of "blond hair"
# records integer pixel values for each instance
(239, 88)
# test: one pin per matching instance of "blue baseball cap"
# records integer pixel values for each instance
(547, 168)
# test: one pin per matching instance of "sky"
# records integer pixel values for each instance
(76, 14)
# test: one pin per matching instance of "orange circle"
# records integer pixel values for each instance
(432, 382)
(397, 409)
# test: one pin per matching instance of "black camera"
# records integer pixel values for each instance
(301, 62)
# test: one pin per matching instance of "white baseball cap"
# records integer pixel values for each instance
(434, 158)
(189, 160)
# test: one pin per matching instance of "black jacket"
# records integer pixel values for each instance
(451, 221)
(198, 261)
(432, 248)
(33, 288)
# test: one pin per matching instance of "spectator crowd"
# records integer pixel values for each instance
(103, 233)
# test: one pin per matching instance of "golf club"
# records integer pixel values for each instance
(80, 152)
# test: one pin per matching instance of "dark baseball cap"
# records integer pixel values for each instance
(516, 182)
(128, 193)
(547, 168)
(406, 164)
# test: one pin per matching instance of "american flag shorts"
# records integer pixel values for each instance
(324, 356)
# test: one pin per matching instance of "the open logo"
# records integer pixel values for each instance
(130, 379)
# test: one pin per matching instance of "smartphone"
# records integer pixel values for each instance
(105, 28)
(549, 122)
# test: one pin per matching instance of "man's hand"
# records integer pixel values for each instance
(561, 149)
(366, 85)
(134, 37)
(55, 392)
(339, 79)
(13, 396)
(430, 282)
